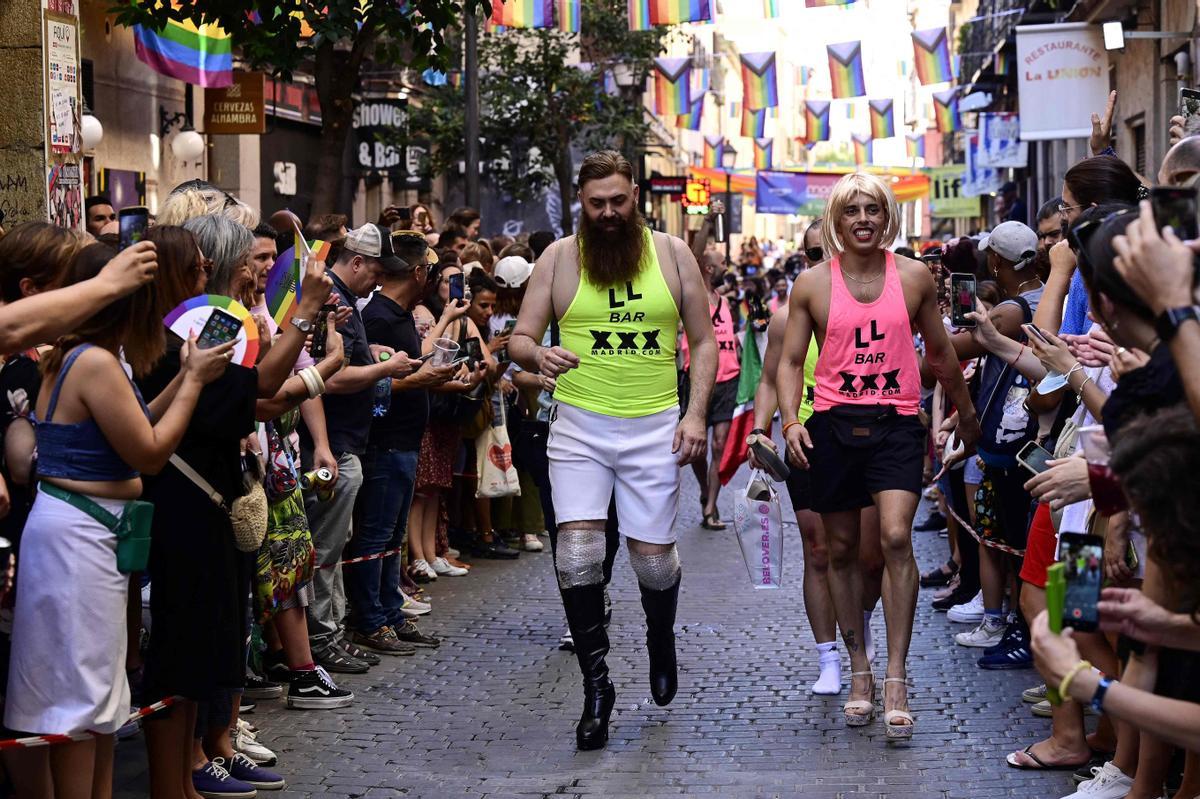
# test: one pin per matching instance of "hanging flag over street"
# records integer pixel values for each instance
(846, 69)
(672, 86)
(759, 80)
(713, 147)
(201, 55)
(931, 52)
(764, 153)
(883, 123)
(695, 115)
(863, 148)
(523, 13)
(754, 123)
(945, 111)
(816, 120)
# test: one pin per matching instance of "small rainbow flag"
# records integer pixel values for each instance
(523, 13)
(826, 3)
(692, 119)
(771, 9)
(672, 86)
(945, 111)
(883, 123)
(1003, 63)
(735, 109)
(760, 84)
(639, 15)
(846, 69)
(283, 279)
(569, 14)
(645, 13)
(931, 50)
(764, 153)
(713, 147)
(201, 55)
(862, 148)
(816, 120)
(914, 144)
(701, 80)
(754, 123)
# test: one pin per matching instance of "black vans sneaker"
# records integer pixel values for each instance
(316, 690)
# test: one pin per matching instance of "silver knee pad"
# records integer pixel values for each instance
(580, 558)
(656, 572)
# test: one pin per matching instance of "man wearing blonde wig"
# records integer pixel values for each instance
(863, 442)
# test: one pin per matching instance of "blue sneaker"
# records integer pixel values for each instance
(1014, 631)
(244, 769)
(212, 781)
(1012, 653)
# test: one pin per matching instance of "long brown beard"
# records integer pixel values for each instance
(611, 256)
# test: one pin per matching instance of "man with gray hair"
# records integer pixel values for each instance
(1181, 163)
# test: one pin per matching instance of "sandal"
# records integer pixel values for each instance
(938, 577)
(712, 522)
(1014, 760)
(898, 731)
(860, 712)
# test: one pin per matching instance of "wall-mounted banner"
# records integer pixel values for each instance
(1000, 144)
(788, 192)
(1062, 78)
(946, 198)
(977, 179)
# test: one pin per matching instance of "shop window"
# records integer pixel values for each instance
(1138, 133)
(87, 80)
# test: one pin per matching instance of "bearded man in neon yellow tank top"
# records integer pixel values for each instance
(613, 297)
(867, 445)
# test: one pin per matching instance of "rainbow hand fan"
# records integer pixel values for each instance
(188, 319)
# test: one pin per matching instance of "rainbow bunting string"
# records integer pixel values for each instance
(931, 51)
(760, 83)
(672, 86)
(201, 55)
(862, 148)
(764, 153)
(846, 69)
(569, 15)
(914, 144)
(883, 123)
(692, 119)
(713, 147)
(945, 111)
(754, 123)
(523, 13)
(816, 120)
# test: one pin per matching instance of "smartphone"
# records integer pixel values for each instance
(133, 222)
(220, 327)
(1189, 102)
(474, 353)
(962, 298)
(1033, 457)
(404, 213)
(1131, 557)
(1082, 557)
(456, 287)
(509, 327)
(320, 333)
(1176, 206)
(1033, 331)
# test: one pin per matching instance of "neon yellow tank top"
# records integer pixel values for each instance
(625, 339)
(810, 382)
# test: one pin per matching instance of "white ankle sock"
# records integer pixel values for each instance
(830, 680)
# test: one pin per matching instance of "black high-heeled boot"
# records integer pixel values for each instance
(660, 640)
(585, 617)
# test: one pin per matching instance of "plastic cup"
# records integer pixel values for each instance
(444, 350)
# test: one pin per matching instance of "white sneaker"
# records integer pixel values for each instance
(413, 607)
(988, 633)
(968, 612)
(829, 682)
(421, 565)
(446, 568)
(452, 552)
(1109, 783)
(251, 748)
(531, 542)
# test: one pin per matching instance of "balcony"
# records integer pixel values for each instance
(994, 22)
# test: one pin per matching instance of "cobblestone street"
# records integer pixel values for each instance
(492, 712)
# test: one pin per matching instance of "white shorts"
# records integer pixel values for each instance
(592, 455)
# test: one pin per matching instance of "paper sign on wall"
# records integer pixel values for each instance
(1062, 79)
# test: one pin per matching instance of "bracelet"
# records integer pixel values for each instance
(789, 424)
(1070, 675)
(1020, 352)
(1073, 370)
(316, 373)
(1086, 378)
(1101, 690)
(758, 431)
(309, 385)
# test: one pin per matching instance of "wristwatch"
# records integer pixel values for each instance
(1168, 322)
(303, 325)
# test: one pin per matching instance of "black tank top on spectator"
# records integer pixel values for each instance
(388, 323)
(1004, 419)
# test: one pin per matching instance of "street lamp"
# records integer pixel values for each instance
(90, 129)
(728, 162)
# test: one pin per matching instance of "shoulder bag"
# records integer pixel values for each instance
(248, 513)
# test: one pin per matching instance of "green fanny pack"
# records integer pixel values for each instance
(132, 529)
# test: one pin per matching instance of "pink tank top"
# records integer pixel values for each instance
(728, 365)
(868, 357)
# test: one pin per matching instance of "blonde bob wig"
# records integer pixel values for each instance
(844, 192)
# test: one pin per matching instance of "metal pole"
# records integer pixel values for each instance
(728, 218)
(471, 188)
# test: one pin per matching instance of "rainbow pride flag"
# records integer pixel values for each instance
(862, 148)
(523, 13)
(283, 279)
(883, 123)
(645, 13)
(771, 9)
(945, 111)
(692, 119)
(672, 86)
(816, 120)
(713, 147)
(760, 83)
(569, 15)
(764, 153)
(826, 3)
(639, 15)
(754, 123)
(201, 55)
(701, 80)
(914, 144)
(846, 69)
(1003, 63)
(931, 51)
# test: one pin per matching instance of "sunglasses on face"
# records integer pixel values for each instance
(1081, 235)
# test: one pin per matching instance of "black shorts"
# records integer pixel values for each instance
(724, 401)
(1003, 508)
(862, 450)
(799, 487)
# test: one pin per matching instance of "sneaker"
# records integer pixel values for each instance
(453, 553)
(1034, 695)
(421, 568)
(970, 612)
(246, 705)
(413, 608)
(446, 569)
(246, 770)
(333, 658)
(1109, 783)
(316, 690)
(988, 632)
(567, 642)
(409, 632)
(246, 744)
(358, 653)
(954, 594)
(1044, 710)
(278, 672)
(531, 543)
(933, 523)
(384, 640)
(261, 688)
(495, 550)
(1013, 630)
(212, 781)
(1012, 652)
(1087, 772)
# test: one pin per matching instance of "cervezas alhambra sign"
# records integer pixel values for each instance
(237, 108)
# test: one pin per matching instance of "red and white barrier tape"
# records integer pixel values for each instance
(364, 558)
(49, 740)
(1020, 553)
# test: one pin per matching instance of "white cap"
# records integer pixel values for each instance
(1013, 241)
(366, 240)
(512, 271)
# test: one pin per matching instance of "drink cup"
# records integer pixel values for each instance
(444, 350)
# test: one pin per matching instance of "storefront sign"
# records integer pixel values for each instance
(668, 185)
(697, 197)
(1062, 79)
(946, 198)
(379, 125)
(237, 108)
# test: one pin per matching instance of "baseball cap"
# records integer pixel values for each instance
(512, 271)
(431, 256)
(372, 241)
(1012, 241)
